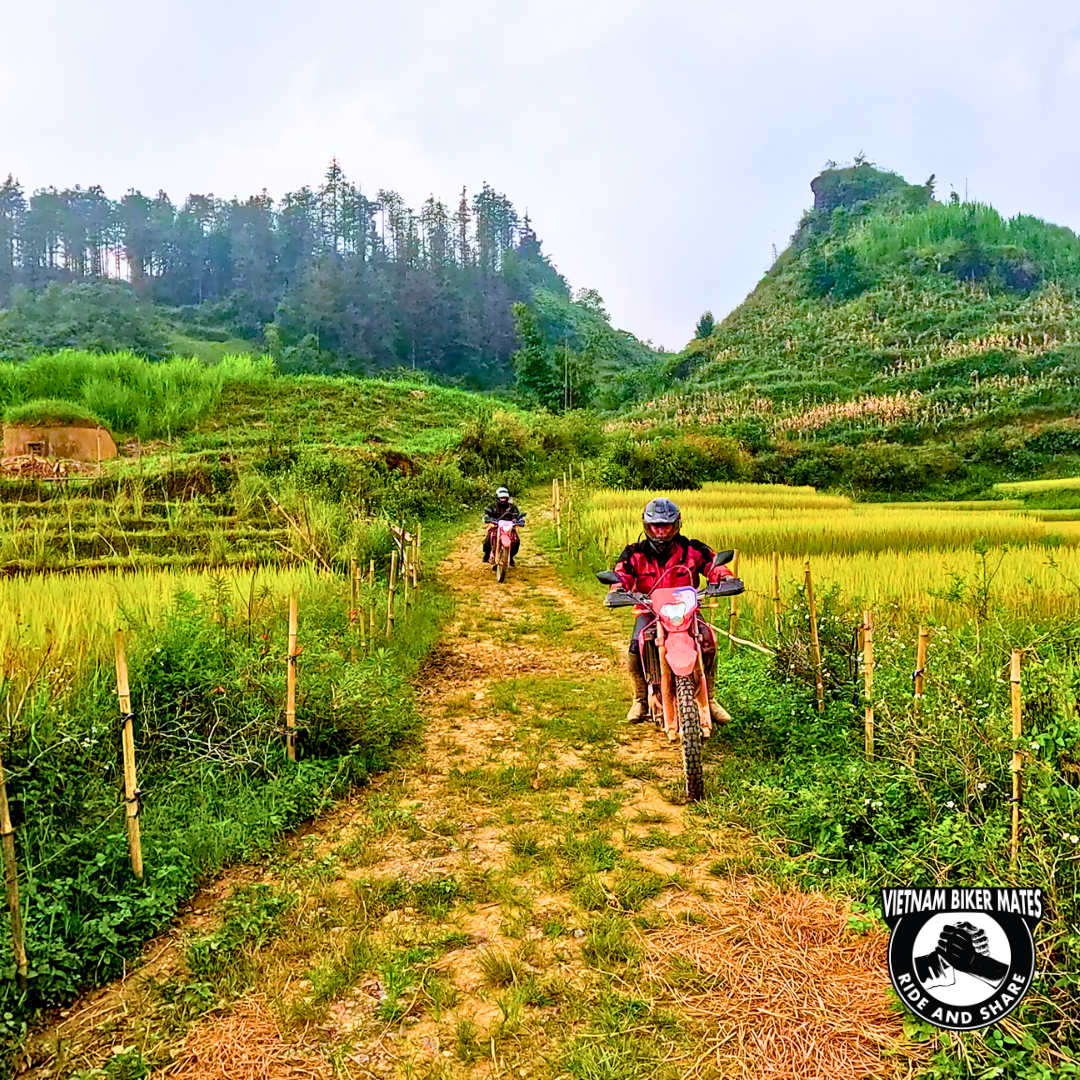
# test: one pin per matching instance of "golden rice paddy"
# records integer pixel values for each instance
(889, 556)
(77, 614)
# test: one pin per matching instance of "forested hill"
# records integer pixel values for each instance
(326, 279)
(900, 341)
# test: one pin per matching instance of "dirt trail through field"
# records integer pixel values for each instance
(524, 897)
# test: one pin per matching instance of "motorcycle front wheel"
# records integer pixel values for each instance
(503, 563)
(690, 730)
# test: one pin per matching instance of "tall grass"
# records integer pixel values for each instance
(129, 394)
(944, 230)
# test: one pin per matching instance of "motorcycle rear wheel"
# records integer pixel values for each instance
(690, 730)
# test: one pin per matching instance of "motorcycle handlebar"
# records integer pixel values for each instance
(626, 597)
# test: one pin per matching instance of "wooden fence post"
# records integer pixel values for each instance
(819, 682)
(127, 739)
(1017, 759)
(776, 592)
(733, 615)
(11, 880)
(390, 596)
(290, 683)
(868, 680)
(558, 512)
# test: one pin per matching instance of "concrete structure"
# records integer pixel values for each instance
(74, 443)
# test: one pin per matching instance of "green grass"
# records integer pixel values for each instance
(399, 415)
(49, 411)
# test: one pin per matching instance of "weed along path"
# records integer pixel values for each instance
(524, 896)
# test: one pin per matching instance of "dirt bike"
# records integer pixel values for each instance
(671, 657)
(501, 537)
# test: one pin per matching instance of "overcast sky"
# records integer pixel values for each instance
(661, 148)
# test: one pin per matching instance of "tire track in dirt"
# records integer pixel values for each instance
(510, 899)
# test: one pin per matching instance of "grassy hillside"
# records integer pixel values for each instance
(898, 344)
(237, 463)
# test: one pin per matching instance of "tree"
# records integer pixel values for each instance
(705, 325)
(534, 365)
(12, 208)
(592, 301)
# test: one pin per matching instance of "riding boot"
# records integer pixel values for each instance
(639, 709)
(719, 714)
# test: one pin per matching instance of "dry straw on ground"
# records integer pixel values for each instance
(796, 994)
(244, 1045)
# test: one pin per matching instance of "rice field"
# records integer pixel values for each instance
(890, 556)
(1029, 487)
(78, 613)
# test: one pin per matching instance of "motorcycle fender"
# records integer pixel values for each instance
(682, 653)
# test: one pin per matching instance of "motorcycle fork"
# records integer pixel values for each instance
(702, 695)
(667, 688)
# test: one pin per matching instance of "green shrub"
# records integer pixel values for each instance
(99, 317)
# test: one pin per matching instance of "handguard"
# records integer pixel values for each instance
(730, 586)
(618, 598)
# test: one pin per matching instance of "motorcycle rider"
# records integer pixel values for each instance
(639, 568)
(502, 509)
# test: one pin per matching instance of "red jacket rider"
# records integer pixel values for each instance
(640, 567)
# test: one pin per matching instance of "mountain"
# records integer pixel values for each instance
(898, 342)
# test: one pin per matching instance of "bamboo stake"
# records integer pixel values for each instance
(371, 615)
(607, 545)
(1017, 761)
(414, 563)
(127, 739)
(868, 679)
(920, 667)
(776, 591)
(419, 563)
(406, 574)
(354, 606)
(11, 880)
(733, 615)
(558, 512)
(290, 686)
(819, 682)
(361, 614)
(390, 596)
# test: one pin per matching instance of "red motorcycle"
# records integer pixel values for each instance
(671, 657)
(502, 539)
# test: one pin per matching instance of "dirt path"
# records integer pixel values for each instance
(523, 897)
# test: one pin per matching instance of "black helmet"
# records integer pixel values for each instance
(659, 515)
